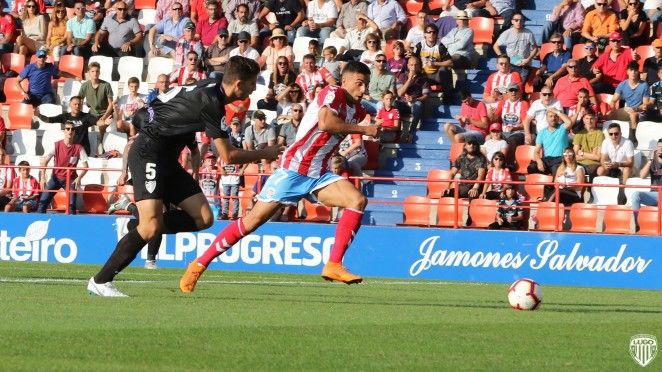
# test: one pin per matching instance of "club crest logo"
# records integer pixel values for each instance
(150, 186)
(643, 349)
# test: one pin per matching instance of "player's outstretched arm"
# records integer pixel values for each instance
(330, 122)
(234, 155)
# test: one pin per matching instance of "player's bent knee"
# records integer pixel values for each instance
(149, 229)
(359, 203)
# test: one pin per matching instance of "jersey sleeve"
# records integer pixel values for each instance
(332, 98)
(212, 115)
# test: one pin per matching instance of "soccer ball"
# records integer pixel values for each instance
(525, 294)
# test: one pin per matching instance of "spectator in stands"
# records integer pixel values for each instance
(616, 155)
(472, 121)
(509, 216)
(127, 105)
(472, 165)
(130, 7)
(99, 97)
(551, 142)
(389, 17)
(289, 15)
(311, 77)
(357, 38)
(57, 29)
(164, 6)
(497, 175)
(567, 17)
(538, 113)
(187, 43)
(372, 49)
(218, 54)
(279, 80)
(330, 63)
(7, 32)
(636, 95)
(260, 134)
(567, 87)
(231, 6)
(654, 108)
(511, 113)
(553, 65)
(322, 16)
(494, 143)
(162, 38)
(352, 149)
(206, 29)
(18, 7)
(587, 144)
(24, 191)
(381, 81)
(568, 175)
(277, 48)
(500, 81)
(416, 34)
(191, 69)
(120, 34)
(413, 89)
(502, 8)
(209, 179)
(67, 154)
(288, 130)
(244, 47)
(34, 30)
(82, 121)
(634, 24)
(577, 111)
(349, 16)
(243, 24)
(388, 118)
(460, 43)
(162, 85)
(585, 64)
(96, 12)
(7, 176)
(39, 74)
(433, 54)
(236, 133)
(3, 135)
(520, 45)
(398, 62)
(292, 95)
(652, 168)
(652, 64)
(231, 175)
(599, 23)
(80, 32)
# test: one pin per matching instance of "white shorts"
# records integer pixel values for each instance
(288, 187)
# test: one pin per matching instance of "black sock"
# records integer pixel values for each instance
(153, 247)
(178, 221)
(133, 209)
(126, 251)
(131, 225)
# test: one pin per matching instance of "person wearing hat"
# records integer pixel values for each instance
(39, 74)
(244, 47)
(599, 23)
(187, 43)
(585, 64)
(277, 48)
(652, 64)
(260, 134)
(162, 38)
(218, 53)
(321, 22)
(511, 112)
(242, 24)
(460, 42)
(634, 24)
(285, 15)
(611, 67)
(494, 142)
(207, 28)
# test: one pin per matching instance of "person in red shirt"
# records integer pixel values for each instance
(208, 23)
(7, 32)
(389, 118)
(472, 121)
(567, 87)
(25, 191)
(611, 67)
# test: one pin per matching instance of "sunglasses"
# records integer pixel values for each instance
(498, 159)
(176, 9)
(380, 60)
(282, 63)
(296, 110)
(517, 20)
(589, 46)
(614, 134)
(371, 42)
(557, 41)
(61, 11)
(615, 41)
(192, 59)
(120, 9)
(68, 129)
(545, 94)
(242, 41)
(600, 4)
(513, 90)
(571, 66)
(569, 155)
(30, 6)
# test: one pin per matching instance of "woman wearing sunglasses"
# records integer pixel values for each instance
(57, 28)
(35, 29)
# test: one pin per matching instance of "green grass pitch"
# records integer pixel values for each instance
(249, 321)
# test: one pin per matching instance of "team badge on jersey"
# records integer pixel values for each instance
(150, 186)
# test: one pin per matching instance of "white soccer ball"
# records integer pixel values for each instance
(525, 294)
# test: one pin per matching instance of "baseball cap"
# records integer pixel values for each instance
(223, 31)
(41, 53)
(615, 36)
(657, 43)
(210, 155)
(513, 86)
(495, 127)
(259, 115)
(244, 36)
(190, 25)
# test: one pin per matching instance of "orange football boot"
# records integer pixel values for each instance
(336, 271)
(190, 278)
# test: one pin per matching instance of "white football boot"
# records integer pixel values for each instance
(103, 290)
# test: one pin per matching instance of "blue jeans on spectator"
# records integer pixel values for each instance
(36, 99)
(372, 106)
(6, 48)
(233, 191)
(84, 51)
(523, 71)
(645, 198)
(320, 33)
(415, 110)
(55, 184)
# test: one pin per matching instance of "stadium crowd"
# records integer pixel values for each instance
(600, 62)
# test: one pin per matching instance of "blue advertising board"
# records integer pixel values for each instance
(599, 260)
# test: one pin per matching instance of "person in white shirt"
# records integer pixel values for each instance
(617, 155)
(244, 48)
(322, 16)
(538, 112)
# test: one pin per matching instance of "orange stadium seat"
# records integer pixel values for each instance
(618, 219)
(417, 211)
(413, 7)
(583, 217)
(316, 212)
(95, 198)
(528, 84)
(71, 66)
(644, 51)
(482, 212)
(60, 201)
(13, 62)
(145, 4)
(456, 150)
(251, 175)
(578, 51)
(545, 48)
(648, 221)
(447, 214)
(532, 185)
(12, 93)
(244, 200)
(524, 154)
(20, 116)
(436, 4)
(549, 217)
(436, 188)
(483, 29)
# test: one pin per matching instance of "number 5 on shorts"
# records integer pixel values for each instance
(150, 171)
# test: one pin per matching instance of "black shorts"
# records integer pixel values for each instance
(157, 174)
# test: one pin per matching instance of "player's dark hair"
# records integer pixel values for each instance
(240, 68)
(356, 67)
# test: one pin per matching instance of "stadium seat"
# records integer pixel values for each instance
(300, 47)
(583, 217)
(388, 48)
(60, 201)
(528, 84)
(95, 198)
(412, 7)
(24, 141)
(618, 219)
(648, 220)
(603, 100)
(70, 89)
(316, 212)
(129, 67)
(456, 150)
(112, 171)
(114, 141)
(115, 87)
(644, 51)
(338, 43)
(549, 217)
(482, 212)
(436, 4)
(251, 176)
(157, 66)
(416, 211)
(605, 195)
(372, 148)
(483, 29)
(436, 188)
(625, 128)
(147, 17)
(12, 93)
(49, 110)
(259, 93)
(545, 48)
(578, 51)
(95, 172)
(49, 137)
(20, 116)
(106, 63)
(646, 182)
(524, 154)
(534, 96)
(648, 133)
(145, 4)
(13, 62)
(34, 161)
(447, 215)
(71, 66)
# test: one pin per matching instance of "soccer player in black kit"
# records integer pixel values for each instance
(164, 129)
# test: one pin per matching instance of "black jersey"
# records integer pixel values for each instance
(186, 110)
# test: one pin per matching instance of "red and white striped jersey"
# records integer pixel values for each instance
(503, 81)
(25, 188)
(512, 113)
(310, 153)
(307, 81)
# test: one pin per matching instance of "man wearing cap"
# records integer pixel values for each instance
(119, 35)
(190, 70)
(356, 36)
(652, 64)
(243, 24)
(207, 27)
(599, 23)
(568, 86)
(472, 121)
(288, 16)
(244, 48)
(611, 67)
(460, 42)
(520, 45)
(218, 54)
(260, 134)
(39, 74)
(511, 112)
(187, 43)
(162, 38)
(585, 64)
